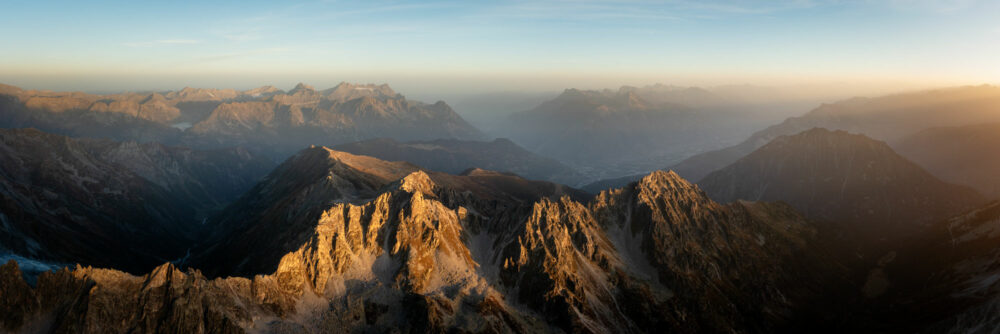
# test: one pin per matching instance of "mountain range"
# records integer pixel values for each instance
(614, 132)
(887, 118)
(845, 178)
(265, 119)
(84, 200)
(457, 156)
(961, 155)
(170, 212)
(437, 252)
(891, 118)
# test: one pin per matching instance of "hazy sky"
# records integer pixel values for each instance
(479, 46)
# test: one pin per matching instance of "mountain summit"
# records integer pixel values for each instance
(431, 252)
(842, 177)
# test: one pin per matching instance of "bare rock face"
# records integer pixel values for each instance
(560, 264)
(706, 253)
(337, 242)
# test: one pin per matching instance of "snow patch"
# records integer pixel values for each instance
(31, 268)
(183, 126)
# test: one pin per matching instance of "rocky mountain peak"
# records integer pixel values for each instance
(259, 91)
(164, 275)
(348, 91)
(417, 182)
(632, 100)
(668, 183)
(847, 178)
(302, 88)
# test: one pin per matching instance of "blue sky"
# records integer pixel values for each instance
(109, 45)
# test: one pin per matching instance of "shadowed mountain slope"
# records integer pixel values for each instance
(887, 118)
(966, 155)
(337, 241)
(455, 156)
(80, 200)
(842, 177)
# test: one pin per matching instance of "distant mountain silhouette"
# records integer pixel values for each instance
(456, 156)
(626, 130)
(967, 155)
(888, 118)
(844, 178)
(263, 119)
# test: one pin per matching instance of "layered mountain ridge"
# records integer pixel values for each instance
(845, 178)
(421, 234)
(960, 155)
(456, 156)
(81, 200)
(265, 119)
(616, 132)
(888, 118)
(480, 252)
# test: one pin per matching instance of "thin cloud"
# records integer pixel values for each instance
(934, 6)
(164, 42)
(587, 10)
(237, 55)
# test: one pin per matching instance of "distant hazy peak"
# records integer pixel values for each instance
(622, 98)
(839, 137)
(262, 90)
(349, 91)
(10, 90)
(301, 87)
(504, 141)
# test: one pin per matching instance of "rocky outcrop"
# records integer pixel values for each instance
(704, 256)
(278, 215)
(612, 265)
(332, 242)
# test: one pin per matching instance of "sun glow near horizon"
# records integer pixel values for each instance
(442, 45)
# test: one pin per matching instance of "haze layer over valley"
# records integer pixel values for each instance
(606, 167)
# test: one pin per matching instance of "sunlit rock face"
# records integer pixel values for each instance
(363, 244)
